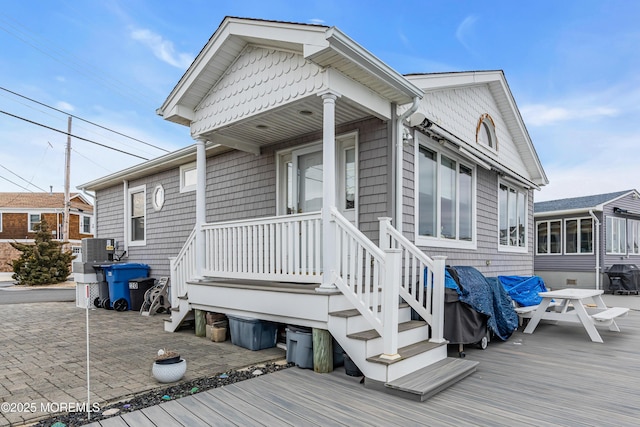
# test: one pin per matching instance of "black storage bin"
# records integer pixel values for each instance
(624, 278)
(137, 288)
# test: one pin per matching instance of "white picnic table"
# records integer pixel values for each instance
(571, 309)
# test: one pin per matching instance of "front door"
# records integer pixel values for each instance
(302, 179)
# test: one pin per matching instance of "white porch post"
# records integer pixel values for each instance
(328, 189)
(201, 205)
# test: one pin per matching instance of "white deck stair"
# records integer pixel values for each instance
(180, 313)
(423, 368)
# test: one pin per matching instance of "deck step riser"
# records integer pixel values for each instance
(358, 323)
(405, 338)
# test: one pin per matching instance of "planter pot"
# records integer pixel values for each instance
(169, 372)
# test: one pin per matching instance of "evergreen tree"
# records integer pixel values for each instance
(43, 262)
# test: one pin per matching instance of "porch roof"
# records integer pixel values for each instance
(369, 86)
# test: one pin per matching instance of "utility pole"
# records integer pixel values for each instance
(67, 173)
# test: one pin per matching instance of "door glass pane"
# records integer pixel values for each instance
(465, 203)
(350, 178)
(291, 206)
(513, 220)
(427, 192)
(310, 182)
(448, 198)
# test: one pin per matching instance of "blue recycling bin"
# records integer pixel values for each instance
(118, 276)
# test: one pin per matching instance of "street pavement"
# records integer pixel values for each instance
(43, 357)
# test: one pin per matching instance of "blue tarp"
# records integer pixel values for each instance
(523, 289)
(488, 297)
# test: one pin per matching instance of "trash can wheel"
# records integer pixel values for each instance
(97, 302)
(106, 304)
(120, 304)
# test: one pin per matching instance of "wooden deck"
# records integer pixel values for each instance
(554, 377)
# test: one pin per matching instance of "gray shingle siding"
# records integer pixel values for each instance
(239, 185)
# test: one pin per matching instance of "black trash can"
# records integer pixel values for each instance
(137, 288)
(624, 278)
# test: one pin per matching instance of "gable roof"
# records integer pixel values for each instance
(42, 201)
(501, 93)
(575, 204)
(327, 47)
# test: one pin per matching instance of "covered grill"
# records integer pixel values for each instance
(624, 278)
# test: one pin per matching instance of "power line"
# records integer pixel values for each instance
(84, 120)
(16, 184)
(74, 136)
(28, 182)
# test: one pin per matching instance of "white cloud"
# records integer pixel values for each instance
(62, 105)
(316, 21)
(161, 48)
(465, 30)
(543, 115)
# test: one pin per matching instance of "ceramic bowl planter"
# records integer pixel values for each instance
(169, 372)
(168, 367)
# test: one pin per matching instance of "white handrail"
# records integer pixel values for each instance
(183, 268)
(422, 278)
(360, 271)
(280, 248)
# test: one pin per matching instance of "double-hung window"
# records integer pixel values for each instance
(34, 219)
(512, 212)
(616, 235)
(445, 194)
(85, 224)
(137, 214)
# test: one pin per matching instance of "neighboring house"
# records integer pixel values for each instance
(579, 239)
(20, 212)
(308, 151)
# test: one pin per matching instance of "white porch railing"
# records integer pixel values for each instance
(279, 248)
(360, 272)
(421, 278)
(183, 268)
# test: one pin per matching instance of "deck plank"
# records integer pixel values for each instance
(183, 416)
(137, 419)
(553, 377)
(114, 422)
(159, 416)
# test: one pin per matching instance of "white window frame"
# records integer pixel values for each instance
(130, 193)
(548, 222)
(437, 241)
(184, 169)
(31, 224)
(487, 121)
(609, 244)
(82, 218)
(518, 190)
(578, 243)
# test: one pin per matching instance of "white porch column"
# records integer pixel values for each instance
(328, 189)
(201, 205)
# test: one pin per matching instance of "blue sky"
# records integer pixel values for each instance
(573, 68)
